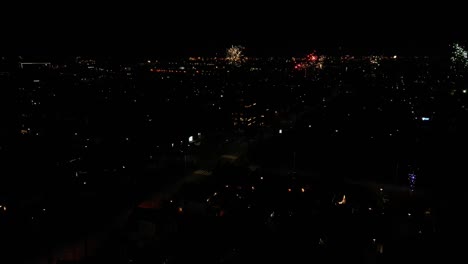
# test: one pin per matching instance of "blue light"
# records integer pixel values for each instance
(412, 181)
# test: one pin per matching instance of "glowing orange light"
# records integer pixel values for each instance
(181, 210)
(289, 190)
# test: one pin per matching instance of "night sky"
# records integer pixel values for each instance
(287, 30)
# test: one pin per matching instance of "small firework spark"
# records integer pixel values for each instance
(312, 57)
(412, 181)
(298, 66)
(234, 55)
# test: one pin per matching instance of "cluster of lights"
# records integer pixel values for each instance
(375, 60)
(235, 55)
(310, 60)
(459, 55)
(299, 66)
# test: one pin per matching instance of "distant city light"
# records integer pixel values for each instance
(302, 190)
(425, 118)
(464, 91)
(280, 131)
(394, 56)
(190, 139)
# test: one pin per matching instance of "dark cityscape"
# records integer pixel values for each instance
(233, 150)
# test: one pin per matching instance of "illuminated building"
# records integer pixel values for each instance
(35, 65)
(247, 115)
